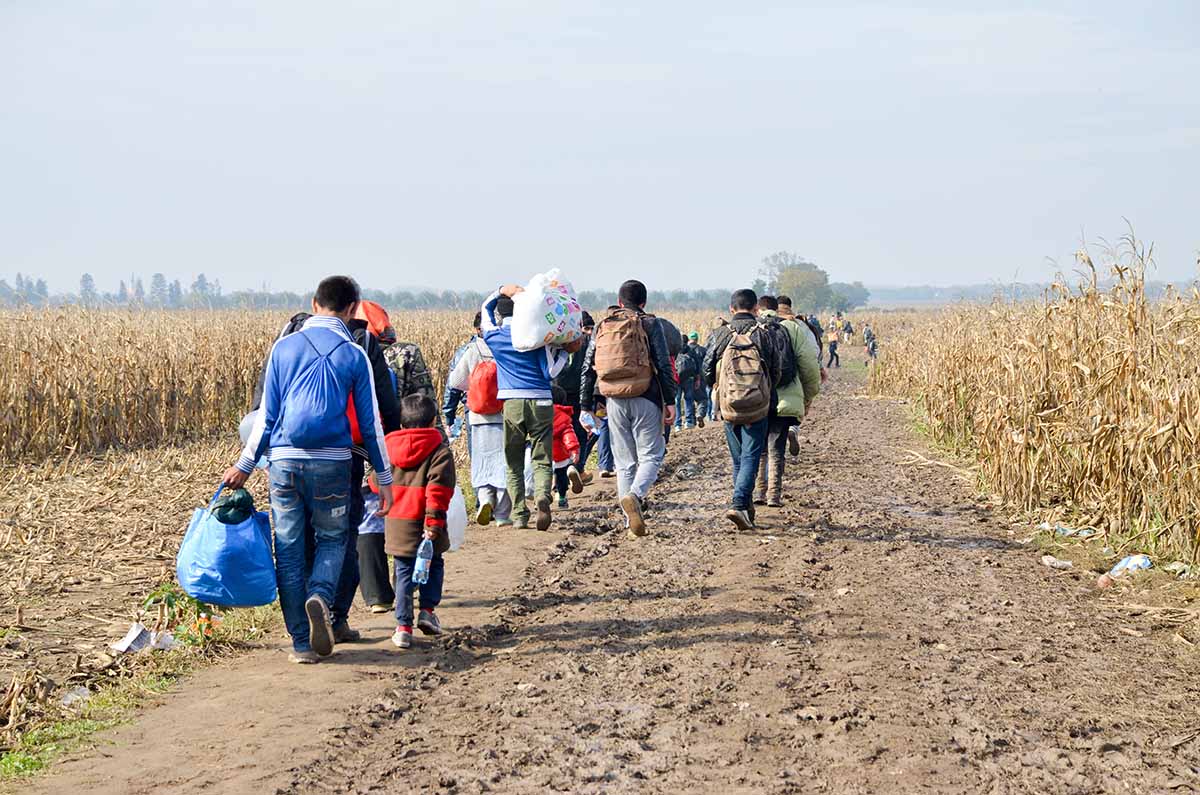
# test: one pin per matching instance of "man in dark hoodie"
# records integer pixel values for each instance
(744, 384)
(629, 365)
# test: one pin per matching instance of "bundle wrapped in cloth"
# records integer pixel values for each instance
(546, 313)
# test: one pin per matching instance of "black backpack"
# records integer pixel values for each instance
(784, 340)
(686, 365)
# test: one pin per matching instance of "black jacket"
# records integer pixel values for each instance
(763, 338)
(662, 386)
(385, 392)
(571, 377)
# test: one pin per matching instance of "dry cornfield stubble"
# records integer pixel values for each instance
(1084, 406)
(115, 425)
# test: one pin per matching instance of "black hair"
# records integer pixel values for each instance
(478, 321)
(769, 302)
(337, 293)
(587, 321)
(417, 411)
(784, 300)
(504, 307)
(560, 395)
(632, 294)
(743, 300)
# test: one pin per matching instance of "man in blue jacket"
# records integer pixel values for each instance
(524, 379)
(311, 377)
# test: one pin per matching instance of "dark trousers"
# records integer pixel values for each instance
(834, 359)
(374, 571)
(582, 435)
(431, 591)
(746, 443)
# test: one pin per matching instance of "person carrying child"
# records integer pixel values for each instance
(566, 448)
(423, 484)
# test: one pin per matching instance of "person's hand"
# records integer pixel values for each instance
(588, 421)
(386, 497)
(824, 375)
(431, 533)
(669, 415)
(509, 290)
(574, 345)
(234, 478)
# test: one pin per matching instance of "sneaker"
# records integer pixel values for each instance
(774, 502)
(587, 478)
(607, 473)
(521, 523)
(562, 502)
(793, 443)
(576, 480)
(381, 609)
(428, 623)
(320, 628)
(344, 633)
(303, 657)
(632, 507)
(699, 422)
(760, 500)
(543, 513)
(483, 516)
(741, 519)
(504, 523)
(402, 638)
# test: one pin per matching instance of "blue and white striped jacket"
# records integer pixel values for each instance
(311, 376)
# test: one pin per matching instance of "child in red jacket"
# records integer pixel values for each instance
(423, 476)
(566, 448)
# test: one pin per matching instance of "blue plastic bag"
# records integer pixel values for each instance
(229, 565)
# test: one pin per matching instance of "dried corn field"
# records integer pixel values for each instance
(1084, 406)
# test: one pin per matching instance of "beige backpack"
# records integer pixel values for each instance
(622, 359)
(743, 388)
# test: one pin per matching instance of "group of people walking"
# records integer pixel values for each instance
(339, 391)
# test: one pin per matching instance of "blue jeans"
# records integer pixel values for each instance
(343, 598)
(604, 449)
(431, 591)
(685, 398)
(308, 497)
(746, 443)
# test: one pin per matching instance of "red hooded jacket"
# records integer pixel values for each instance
(423, 484)
(566, 443)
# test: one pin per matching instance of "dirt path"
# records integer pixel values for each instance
(880, 633)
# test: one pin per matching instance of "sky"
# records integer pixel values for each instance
(459, 145)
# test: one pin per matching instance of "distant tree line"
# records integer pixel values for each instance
(809, 286)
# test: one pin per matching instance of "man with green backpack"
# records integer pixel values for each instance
(743, 365)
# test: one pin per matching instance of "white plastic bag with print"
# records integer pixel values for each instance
(456, 520)
(546, 313)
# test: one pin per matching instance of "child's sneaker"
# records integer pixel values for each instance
(428, 622)
(562, 502)
(402, 638)
(576, 481)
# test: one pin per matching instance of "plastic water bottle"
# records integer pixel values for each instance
(424, 560)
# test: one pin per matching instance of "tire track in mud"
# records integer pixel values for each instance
(877, 633)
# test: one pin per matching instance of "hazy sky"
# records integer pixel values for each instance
(457, 144)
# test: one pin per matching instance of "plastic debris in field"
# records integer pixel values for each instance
(1056, 563)
(1130, 564)
(136, 639)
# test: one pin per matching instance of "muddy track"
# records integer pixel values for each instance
(880, 633)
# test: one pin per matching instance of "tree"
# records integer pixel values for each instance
(175, 295)
(774, 264)
(848, 296)
(139, 292)
(122, 294)
(201, 290)
(87, 290)
(807, 287)
(158, 290)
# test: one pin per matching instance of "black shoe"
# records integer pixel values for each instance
(793, 443)
(344, 633)
(320, 628)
